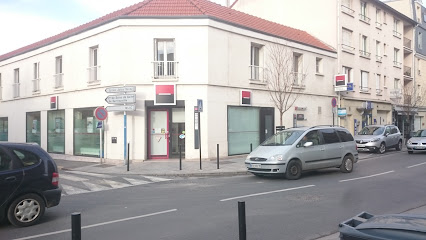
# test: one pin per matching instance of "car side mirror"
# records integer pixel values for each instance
(386, 134)
(308, 144)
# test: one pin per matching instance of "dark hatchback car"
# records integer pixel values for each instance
(29, 183)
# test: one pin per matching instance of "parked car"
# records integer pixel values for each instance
(29, 183)
(418, 142)
(378, 138)
(294, 150)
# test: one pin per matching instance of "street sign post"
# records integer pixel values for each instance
(121, 89)
(117, 99)
(121, 108)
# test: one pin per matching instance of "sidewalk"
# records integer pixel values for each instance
(170, 167)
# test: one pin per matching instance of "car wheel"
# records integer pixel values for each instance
(382, 148)
(399, 146)
(294, 170)
(410, 152)
(26, 210)
(347, 164)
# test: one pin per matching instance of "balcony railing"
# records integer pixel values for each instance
(397, 64)
(364, 89)
(407, 43)
(364, 53)
(397, 34)
(379, 91)
(16, 90)
(257, 73)
(165, 69)
(94, 74)
(379, 58)
(407, 71)
(348, 48)
(298, 80)
(36, 85)
(59, 80)
(347, 10)
(378, 25)
(364, 18)
(395, 93)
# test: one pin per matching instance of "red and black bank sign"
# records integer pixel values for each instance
(165, 94)
(54, 103)
(245, 97)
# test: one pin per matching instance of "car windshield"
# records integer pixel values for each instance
(372, 131)
(420, 133)
(282, 138)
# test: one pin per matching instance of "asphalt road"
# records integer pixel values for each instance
(206, 208)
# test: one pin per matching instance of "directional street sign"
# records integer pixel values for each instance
(117, 99)
(120, 89)
(121, 108)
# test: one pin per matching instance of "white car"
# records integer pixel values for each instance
(418, 142)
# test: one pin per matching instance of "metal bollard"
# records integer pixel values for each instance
(242, 220)
(180, 157)
(217, 156)
(128, 157)
(251, 147)
(76, 226)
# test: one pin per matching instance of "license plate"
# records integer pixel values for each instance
(255, 166)
(422, 147)
(361, 145)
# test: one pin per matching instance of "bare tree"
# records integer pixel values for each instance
(285, 77)
(411, 99)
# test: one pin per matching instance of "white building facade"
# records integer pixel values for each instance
(50, 89)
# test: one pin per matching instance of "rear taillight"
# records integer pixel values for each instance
(55, 179)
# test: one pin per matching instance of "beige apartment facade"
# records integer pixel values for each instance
(374, 48)
(51, 90)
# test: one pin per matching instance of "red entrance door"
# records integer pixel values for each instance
(158, 136)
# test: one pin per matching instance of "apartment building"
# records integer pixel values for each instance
(374, 45)
(414, 9)
(173, 53)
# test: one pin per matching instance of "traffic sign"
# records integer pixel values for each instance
(121, 108)
(334, 102)
(117, 99)
(121, 89)
(101, 113)
(99, 124)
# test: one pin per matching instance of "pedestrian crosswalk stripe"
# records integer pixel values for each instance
(90, 174)
(95, 187)
(115, 184)
(72, 178)
(70, 190)
(136, 181)
(156, 179)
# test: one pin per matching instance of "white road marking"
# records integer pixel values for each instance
(115, 184)
(156, 179)
(96, 225)
(374, 175)
(72, 178)
(95, 187)
(416, 165)
(90, 174)
(264, 193)
(136, 181)
(70, 190)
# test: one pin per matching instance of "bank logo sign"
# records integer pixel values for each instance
(165, 94)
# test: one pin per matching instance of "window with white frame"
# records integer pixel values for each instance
(363, 13)
(396, 33)
(318, 65)
(297, 69)
(16, 82)
(396, 84)
(1, 88)
(93, 65)
(384, 17)
(378, 52)
(384, 81)
(347, 7)
(419, 40)
(378, 87)
(396, 62)
(364, 81)
(165, 65)
(347, 40)
(348, 71)
(58, 72)
(363, 51)
(36, 77)
(255, 68)
(378, 18)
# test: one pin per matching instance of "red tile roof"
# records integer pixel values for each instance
(185, 8)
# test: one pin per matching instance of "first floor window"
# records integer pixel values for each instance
(364, 81)
(348, 72)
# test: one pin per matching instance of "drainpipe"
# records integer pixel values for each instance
(338, 47)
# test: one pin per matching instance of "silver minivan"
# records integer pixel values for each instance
(294, 150)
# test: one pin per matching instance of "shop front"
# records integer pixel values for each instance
(56, 131)
(4, 129)
(86, 133)
(33, 128)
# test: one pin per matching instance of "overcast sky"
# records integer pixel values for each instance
(23, 22)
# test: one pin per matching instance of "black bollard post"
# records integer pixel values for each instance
(180, 157)
(251, 147)
(217, 156)
(128, 157)
(242, 220)
(76, 226)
